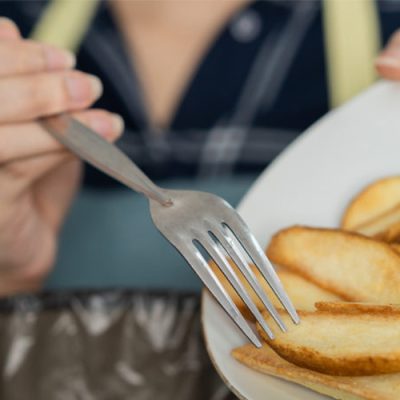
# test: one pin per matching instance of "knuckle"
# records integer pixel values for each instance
(36, 102)
(31, 56)
(46, 95)
(41, 103)
(16, 170)
(20, 60)
(19, 57)
(11, 56)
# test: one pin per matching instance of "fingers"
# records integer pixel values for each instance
(388, 62)
(63, 181)
(11, 286)
(108, 125)
(25, 270)
(27, 140)
(8, 29)
(35, 154)
(26, 56)
(30, 97)
(35, 79)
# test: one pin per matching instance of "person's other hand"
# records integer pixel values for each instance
(388, 62)
(38, 177)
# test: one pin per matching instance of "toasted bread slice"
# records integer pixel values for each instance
(265, 360)
(375, 200)
(303, 294)
(396, 247)
(385, 226)
(391, 234)
(355, 267)
(343, 343)
(357, 308)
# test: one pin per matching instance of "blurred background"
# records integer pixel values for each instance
(210, 92)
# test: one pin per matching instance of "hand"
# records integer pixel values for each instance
(388, 62)
(38, 177)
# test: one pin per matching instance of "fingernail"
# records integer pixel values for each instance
(118, 123)
(96, 86)
(58, 58)
(83, 87)
(110, 126)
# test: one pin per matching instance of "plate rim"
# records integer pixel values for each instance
(381, 85)
(204, 293)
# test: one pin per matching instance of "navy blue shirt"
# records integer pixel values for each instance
(260, 84)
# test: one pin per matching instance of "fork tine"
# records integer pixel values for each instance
(212, 248)
(203, 270)
(235, 253)
(239, 228)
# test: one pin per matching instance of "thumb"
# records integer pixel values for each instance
(388, 62)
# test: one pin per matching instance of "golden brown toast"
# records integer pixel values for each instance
(355, 267)
(375, 200)
(265, 360)
(342, 342)
(396, 247)
(357, 308)
(303, 294)
(384, 227)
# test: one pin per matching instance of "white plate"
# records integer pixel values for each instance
(310, 183)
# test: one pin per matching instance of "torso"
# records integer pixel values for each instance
(167, 39)
(202, 93)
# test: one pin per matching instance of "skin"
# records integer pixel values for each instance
(157, 34)
(388, 62)
(38, 177)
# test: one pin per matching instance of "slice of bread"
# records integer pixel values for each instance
(265, 360)
(396, 246)
(384, 227)
(392, 233)
(355, 267)
(342, 342)
(303, 294)
(357, 308)
(375, 200)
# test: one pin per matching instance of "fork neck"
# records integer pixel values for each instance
(147, 187)
(143, 184)
(160, 198)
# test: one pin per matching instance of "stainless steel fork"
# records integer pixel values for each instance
(191, 221)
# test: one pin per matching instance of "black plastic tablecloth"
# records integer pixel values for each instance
(106, 345)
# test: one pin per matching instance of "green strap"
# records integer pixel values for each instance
(351, 31)
(352, 41)
(64, 23)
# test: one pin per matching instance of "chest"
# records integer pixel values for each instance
(166, 42)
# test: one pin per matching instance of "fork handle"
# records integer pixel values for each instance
(103, 155)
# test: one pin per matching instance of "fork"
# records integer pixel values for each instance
(192, 221)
